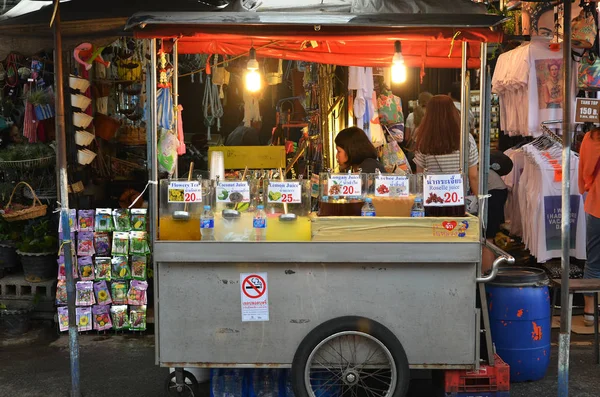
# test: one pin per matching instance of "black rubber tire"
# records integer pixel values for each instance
(191, 388)
(350, 323)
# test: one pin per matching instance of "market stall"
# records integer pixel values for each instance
(358, 297)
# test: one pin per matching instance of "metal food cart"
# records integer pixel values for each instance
(411, 301)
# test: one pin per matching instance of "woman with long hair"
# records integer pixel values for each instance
(589, 186)
(354, 151)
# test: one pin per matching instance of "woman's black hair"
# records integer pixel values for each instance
(356, 144)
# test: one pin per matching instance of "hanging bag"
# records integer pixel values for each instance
(393, 158)
(584, 30)
(588, 75)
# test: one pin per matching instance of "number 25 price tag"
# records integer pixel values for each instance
(443, 190)
(185, 192)
(284, 192)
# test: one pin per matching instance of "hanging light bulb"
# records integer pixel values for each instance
(398, 66)
(253, 81)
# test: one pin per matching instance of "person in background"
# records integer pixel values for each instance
(455, 94)
(245, 136)
(414, 119)
(10, 135)
(589, 186)
(354, 151)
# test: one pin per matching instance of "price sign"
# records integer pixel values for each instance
(391, 186)
(587, 110)
(185, 192)
(344, 185)
(443, 190)
(284, 192)
(233, 192)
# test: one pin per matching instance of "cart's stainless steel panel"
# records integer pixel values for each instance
(340, 252)
(429, 306)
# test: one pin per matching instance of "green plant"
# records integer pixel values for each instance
(9, 231)
(38, 97)
(26, 151)
(38, 237)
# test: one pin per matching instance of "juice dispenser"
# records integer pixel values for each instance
(236, 201)
(393, 194)
(287, 204)
(342, 194)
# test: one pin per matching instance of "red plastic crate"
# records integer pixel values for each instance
(487, 379)
(480, 394)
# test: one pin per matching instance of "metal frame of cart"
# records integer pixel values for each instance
(414, 301)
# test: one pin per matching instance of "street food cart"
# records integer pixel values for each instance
(401, 297)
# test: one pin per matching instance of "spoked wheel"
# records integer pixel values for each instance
(188, 387)
(350, 356)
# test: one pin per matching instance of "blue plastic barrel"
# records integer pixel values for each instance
(520, 319)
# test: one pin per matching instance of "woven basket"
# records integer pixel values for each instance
(41, 162)
(35, 211)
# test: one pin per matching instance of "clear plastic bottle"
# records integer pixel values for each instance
(266, 385)
(232, 384)
(216, 382)
(259, 223)
(418, 210)
(368, 209)
(207, 224)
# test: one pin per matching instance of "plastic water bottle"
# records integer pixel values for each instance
(289, 391)
(207, 224)
(232, 384)
(215, 383)
(368, 209)
(266, 385)
(418, 210)
(259, 223)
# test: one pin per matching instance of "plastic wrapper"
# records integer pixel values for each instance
(137, 293)
(63, 318)
(120, 268)
(120, 243)
(119, 316)
(139, 218)
(102, 293)
(86, 220)
(86, 268)
(119, 292)
(84, 318)
(102, 243)
(72, 222)
(62, 272)
(121, 220)
(138, 243)
(61, 292)
(137, 318)
(101, 318)
(84, 293)
(104, 221)
(85, 244)
(103, 269)
(61, 251)
(139, 265)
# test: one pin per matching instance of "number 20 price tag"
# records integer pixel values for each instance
(185, 192)
(444, 190)
(344, 185)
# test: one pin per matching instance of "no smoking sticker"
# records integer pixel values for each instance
(255, 296)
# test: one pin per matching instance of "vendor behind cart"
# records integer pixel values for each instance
(356, 152)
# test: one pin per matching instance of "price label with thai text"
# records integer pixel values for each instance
(233, 192)
(284, 192)
(344, 185)
(587, 110)
(391, 186)
(185, 192)
(443, 190)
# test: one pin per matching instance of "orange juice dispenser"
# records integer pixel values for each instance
(287, 204)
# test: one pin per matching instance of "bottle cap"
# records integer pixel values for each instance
(207, 207)
(369, 200)
(260, 207)
(418, 199)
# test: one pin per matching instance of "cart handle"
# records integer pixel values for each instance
(503, 257)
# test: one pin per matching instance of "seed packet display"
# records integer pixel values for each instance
(138, 267)
(61, 251)
(85, 244)
(138, 219)
(121, 220)
(137, 318)
(137, 293)
(120, 243)
(120, 268)
(104, 221)
(119, 292)
(101, 318)
(86, 268)
(72, 222)
(103, 269)
(102, 293)
(120, 319)
(84, 318)
(138, 243)
(86, 220)
(102, 243)
(61, 292)
(63, 318)
(84, 293)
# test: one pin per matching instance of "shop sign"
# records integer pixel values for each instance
(391, 186)
(255, 296)
(233, 192)
(284, 192)
(344, 185)
(185, 192)
(443, 190)
(587, 110)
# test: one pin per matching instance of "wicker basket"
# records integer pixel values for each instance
(35, 211)
(130, 135)
(21, 165)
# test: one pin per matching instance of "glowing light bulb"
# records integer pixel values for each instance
(253, 81)
(398, 69)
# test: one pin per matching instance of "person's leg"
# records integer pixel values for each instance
(592, 265)
(487, 258)
(495, 218)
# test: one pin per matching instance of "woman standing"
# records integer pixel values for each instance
(589, 185)
(355, 152)
(414, 119)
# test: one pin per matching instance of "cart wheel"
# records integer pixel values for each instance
(189, 387)
(351, 356)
